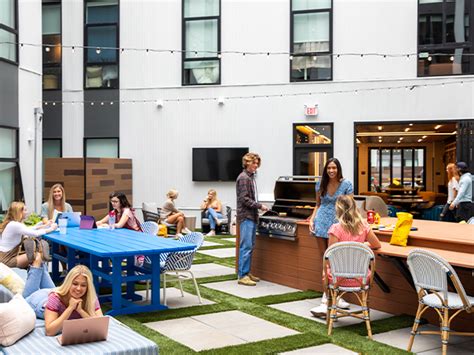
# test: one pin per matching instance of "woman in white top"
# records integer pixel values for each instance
(448, 215)
(12, 230)
(56, 204)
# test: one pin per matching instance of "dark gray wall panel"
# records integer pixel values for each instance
(101, 120)
(52, 117)
(8, 94)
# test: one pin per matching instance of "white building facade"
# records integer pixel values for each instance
(160, 113)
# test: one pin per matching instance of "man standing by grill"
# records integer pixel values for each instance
(247, 216)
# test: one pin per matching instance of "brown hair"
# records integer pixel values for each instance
(14, 214)
(452, 171)
(51, 200)
(249, 158)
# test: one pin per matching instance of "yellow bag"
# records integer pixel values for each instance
(162, 230)
(402, 229)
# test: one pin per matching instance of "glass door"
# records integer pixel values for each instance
(312, 147)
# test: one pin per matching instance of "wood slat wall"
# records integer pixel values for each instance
(69, 172)
(299, 264)
(88, 182)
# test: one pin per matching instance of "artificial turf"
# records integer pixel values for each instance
(311, 333)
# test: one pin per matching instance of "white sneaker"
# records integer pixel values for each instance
(179, 235)
(211, 234)
(343, 304)
(185, 230)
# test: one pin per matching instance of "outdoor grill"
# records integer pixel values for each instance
(295, 198)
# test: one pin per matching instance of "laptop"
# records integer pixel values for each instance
(84, 330)
(87, 222)
(73, 218)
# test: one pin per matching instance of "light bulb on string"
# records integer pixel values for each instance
(291, 57)
(97, 50)
(219, 55)
(451, 58)
(72, 49)
(47, 49)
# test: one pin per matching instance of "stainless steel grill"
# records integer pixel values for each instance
(295, 199)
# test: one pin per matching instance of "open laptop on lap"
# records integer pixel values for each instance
(84, 330)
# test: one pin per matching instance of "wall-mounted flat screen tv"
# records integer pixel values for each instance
(217, 164)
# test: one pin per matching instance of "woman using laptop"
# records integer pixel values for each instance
(56, 204)
(75, 298)
(123, 212)
(12, 230)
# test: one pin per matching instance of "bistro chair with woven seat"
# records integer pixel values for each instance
(179, 263)
(430, 274)
(351, 266)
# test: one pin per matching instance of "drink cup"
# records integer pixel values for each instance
(62, 223)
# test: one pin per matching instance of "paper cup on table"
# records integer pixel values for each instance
(62, 225)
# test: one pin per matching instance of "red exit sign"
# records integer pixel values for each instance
(311, 110)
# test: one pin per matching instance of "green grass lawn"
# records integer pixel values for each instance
(312, 333)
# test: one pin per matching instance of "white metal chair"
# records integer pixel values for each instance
(430, 274)
(177, 263)
(348, 262)
(150, 227)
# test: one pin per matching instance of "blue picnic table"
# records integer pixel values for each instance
(110, 255)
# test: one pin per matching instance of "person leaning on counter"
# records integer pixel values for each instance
(463, 201)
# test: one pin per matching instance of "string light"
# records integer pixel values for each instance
(421, 55)
(266, 96)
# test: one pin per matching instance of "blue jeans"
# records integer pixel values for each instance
(213, 216)
(248, 229)
(38, 285)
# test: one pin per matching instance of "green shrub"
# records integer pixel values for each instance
(32, 219)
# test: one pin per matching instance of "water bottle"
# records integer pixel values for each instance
(111, 220)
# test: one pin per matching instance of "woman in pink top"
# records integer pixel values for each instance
(350, 228)
(124, 213)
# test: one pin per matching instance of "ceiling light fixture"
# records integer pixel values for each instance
(407, 129)
(438, 126)
(380, 128)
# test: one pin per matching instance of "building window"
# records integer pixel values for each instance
(311, 44)
(52, 148)
(11, 188)
(444, 37)
(201, 42)
(8, 31)
(102, 148)
(101, 31)
(52, 52)
(396, 167)
(312, 146)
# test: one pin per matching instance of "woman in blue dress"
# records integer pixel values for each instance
(331, 186)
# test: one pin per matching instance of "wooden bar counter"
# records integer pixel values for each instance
(298, 264)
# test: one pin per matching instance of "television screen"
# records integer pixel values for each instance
(217, 164)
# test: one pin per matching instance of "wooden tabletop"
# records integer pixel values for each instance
(455, 258)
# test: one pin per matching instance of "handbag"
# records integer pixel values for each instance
(402, 229)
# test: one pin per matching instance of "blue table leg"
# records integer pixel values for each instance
(155, 279)
(71, 258)
(130, 272)
(55, 262)
(94, 265)
(116, 283)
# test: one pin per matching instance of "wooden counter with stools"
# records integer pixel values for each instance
(298, 264)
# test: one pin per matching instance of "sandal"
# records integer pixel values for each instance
(29, 244)
(44, 246)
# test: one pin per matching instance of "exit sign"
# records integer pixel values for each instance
(311, 110)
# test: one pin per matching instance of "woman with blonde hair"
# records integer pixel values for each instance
(12, 231)
(170, 214)
(350, 228)
(448, 215)
(75, 298)
(56, 204)
(212, 208)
